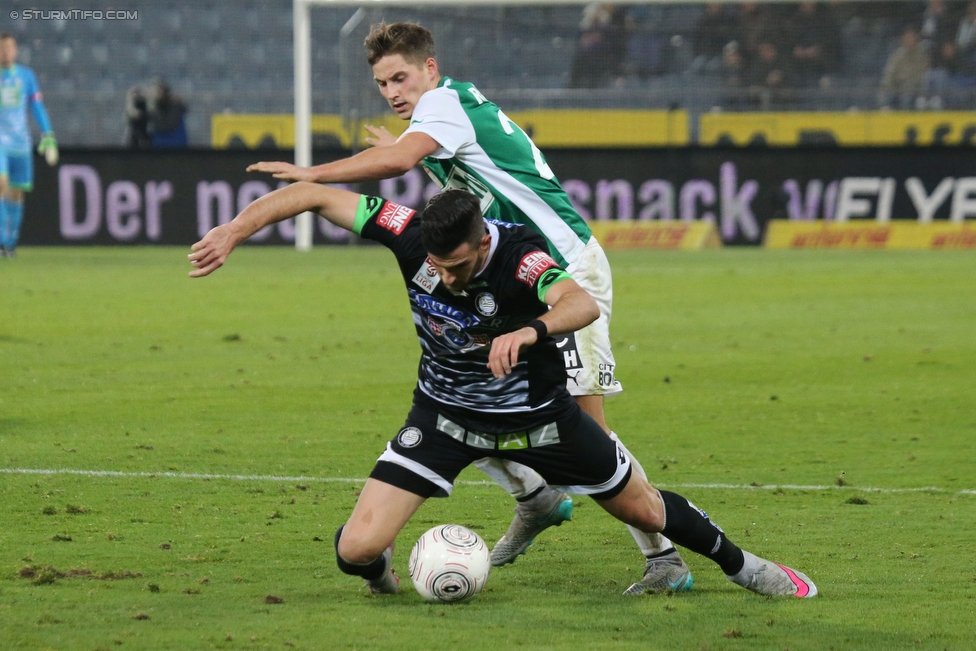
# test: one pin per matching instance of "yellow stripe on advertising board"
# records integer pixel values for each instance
(779, 128)
(850, 128)
(555, 128)
(610, 128)
(253, 129)
(669, 235)
(865, 234)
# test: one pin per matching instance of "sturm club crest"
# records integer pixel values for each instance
(409, 437)
(486, 304)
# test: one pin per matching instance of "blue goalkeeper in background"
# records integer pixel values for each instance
(18, 89)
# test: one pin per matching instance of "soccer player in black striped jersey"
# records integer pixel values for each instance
(487, 299)
(464, 140)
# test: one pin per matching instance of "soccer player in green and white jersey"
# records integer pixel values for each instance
(465, 141)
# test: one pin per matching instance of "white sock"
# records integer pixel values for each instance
(516, 479)
(650, 544)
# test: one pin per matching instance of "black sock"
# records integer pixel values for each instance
(690, 527)
(532, 494)
(370, 571)
(651, 557)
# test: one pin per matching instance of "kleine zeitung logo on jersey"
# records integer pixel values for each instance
(532, 266)
(395, 217)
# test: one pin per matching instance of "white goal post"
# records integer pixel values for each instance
(303, 58)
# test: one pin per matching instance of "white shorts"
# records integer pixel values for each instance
(590, 367)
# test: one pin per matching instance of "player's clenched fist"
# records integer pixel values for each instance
(505, 350)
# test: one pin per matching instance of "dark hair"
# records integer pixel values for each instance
(451, 219)
(413, 42)
(5, 35)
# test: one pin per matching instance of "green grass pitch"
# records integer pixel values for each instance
(821, 406)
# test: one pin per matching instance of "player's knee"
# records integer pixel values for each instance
(651, 521)
(356, 549)
(639, 505)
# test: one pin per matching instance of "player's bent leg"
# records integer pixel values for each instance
(637, 505)
(691, 527)
(364, 545)
(519, 481)
(379, 514)
(664, 569)
(593, 405)
(537, 508)
(549, 508)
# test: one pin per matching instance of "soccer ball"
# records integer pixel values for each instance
(449, 563)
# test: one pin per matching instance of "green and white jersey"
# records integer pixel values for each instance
(483, 151)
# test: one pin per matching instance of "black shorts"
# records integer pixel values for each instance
(573, 454)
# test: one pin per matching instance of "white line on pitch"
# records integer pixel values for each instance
(360, 480)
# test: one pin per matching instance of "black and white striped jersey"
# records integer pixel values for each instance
(456, 329)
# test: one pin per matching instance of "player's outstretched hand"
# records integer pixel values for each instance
(505, 350)
(209, 254)
(381, 137)
(284, 171)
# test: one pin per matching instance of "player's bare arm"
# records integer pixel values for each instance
(572, 309)
(338, 206)
(369, 165)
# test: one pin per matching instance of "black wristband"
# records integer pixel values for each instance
(541, 329)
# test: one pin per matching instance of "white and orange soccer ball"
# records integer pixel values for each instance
(449, 563)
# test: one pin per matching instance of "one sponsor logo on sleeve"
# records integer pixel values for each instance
(427, 276)
(532, 266)
(549, 276)
(395, 217)
(372, 205)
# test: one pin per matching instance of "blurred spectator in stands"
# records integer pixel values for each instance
(904, 73)
(943, 67)
(938, 25)
(940, 29)
(713, 33)
(601, 48)
(167, 121)
(769, 76)
(966, 41)
(815, 44)
(733, 77)
(137, 118)
(753, 24)
(645, 53)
